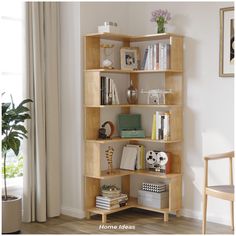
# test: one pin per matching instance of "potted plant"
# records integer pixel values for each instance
(13, 132)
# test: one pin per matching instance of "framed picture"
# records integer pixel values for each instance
(129, 58)
(227, 42)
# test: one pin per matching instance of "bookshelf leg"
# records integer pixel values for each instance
(104, 218)
(88, 215)
(166, 217)
(178, 213)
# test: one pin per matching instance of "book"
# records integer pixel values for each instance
(154, 127)
(128, 159)
(110, 199)
(166, 126)
(140, 162)
(144, 59)
(109, 94)
(107, 207)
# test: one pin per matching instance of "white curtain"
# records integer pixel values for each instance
(41, 187)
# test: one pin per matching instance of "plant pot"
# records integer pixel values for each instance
(11, 214)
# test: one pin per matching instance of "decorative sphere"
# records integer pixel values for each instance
(107, 63)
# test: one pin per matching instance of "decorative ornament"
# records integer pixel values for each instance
(132, 94)
(107, 53)
(109, 154)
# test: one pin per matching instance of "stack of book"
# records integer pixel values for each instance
(156, 57)
(109, 203)
(109, 94)
(161, 126)
(133, 157)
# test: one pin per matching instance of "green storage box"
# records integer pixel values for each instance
(129, 126)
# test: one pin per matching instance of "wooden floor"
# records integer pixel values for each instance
(144, 222)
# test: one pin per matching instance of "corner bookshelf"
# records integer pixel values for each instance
(93, 109)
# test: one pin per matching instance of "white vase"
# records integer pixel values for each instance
(11, 215)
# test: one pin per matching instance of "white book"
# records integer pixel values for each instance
(138, 159)
(158, 124)
(166, 130)
(128, 159)
(161, 55)
(154, 57)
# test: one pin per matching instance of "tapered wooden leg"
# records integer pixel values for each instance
(104, 218)
(178, 213)
(88, 215)
(204, 214)
(232, 215)
(166, 217)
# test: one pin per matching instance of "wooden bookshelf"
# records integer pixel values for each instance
(172, 79)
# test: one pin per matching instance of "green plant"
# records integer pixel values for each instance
(14, 169)
(13, 131)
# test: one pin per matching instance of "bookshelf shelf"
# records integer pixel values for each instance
(132, 203)
(117, 139)
(119, 173)
(135, 105)
(94, 115)
(119, 71)
(129, 38)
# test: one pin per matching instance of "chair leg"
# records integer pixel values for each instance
(232, 215)
(204, 213)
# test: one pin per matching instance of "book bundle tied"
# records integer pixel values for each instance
(109, 203)
(161, 126)
(109, 94)
(156, 57)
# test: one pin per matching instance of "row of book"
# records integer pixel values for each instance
(133, 157)
(161, 126)
(109, 94)
(109, 203)
(156, 57)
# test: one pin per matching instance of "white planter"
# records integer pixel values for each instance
(11, 215)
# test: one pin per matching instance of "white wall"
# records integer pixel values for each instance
(208, 99)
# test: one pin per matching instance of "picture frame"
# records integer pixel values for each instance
(129, 58)
(226, 63)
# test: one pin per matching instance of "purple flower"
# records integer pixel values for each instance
(160, 15)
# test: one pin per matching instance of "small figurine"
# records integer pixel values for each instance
(109, 154)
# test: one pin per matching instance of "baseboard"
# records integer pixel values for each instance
(220, 219)
(73, 212)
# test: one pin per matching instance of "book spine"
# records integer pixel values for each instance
(102, 90)
(154, 127)
(161, 51)
(168, 57)
(144, 59)
(154, 57)
(166, 130)
(157, 57)
(158, 125)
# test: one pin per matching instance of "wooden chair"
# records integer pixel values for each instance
(225, 192)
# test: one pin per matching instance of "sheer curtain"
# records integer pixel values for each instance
(41, 185)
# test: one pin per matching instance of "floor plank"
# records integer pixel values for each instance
(144, 222)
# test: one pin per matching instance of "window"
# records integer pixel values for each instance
(12, 62)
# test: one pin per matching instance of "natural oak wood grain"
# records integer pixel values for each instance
(129, 38)
(92, 89)
(92, 159)
(117, 139)
(119, 71)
